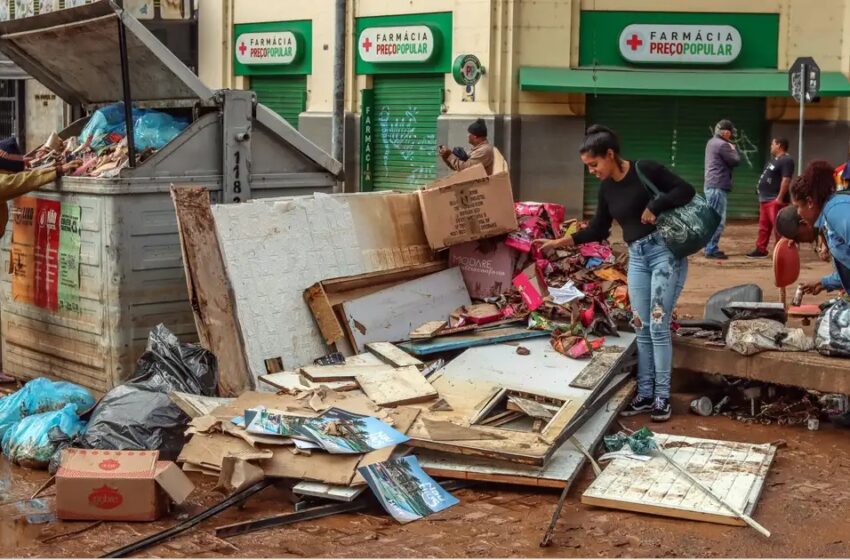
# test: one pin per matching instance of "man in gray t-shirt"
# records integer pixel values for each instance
(773, 188)
(721, 157)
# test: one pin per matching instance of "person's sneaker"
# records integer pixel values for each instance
(639, 405)
(717, 256)
(661, 410)
(757, 254)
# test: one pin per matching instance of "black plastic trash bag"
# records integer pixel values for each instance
(139, 414)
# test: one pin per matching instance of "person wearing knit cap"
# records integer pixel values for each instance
(16, 180)
(482, 150)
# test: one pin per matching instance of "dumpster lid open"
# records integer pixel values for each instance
(74, 53)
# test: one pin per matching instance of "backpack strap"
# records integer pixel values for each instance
(649, 185)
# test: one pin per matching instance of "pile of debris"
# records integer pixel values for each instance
(101, 150)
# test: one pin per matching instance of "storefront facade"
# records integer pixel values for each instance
(547, 70)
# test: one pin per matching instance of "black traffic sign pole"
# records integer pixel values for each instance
(803, 85)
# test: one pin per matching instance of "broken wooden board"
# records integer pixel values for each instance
(294, 382)
(428, 330)
(321, 374)
(481, 337)
(477, 380)
(405, 385)
(366, 359)
(210, 290)
(324, 298)
(196, 406)
(529, 407)
(328, 492)
(596, 370)
(393, 355)
(449, 431)
(563, 468)
(733, 471)
(390, 314)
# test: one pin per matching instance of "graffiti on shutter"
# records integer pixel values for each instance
(399, 134)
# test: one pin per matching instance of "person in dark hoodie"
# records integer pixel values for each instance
(721, 157)
(482, 150)
(16, 180)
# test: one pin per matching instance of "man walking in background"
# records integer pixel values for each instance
(773, 194)
(721, 157)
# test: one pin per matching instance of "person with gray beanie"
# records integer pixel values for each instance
(482, 150)
(721, 157)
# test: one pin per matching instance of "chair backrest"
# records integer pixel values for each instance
(786, 263)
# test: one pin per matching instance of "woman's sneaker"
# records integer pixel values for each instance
(639, 405)
(661, 410)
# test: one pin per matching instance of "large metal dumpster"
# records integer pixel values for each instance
(131, 275)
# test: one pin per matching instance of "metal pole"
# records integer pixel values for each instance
(128, 98)
(803, 87)
(338, 124)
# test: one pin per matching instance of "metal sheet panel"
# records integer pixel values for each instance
(74, 52)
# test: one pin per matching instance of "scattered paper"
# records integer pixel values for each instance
(569, 292)
(404, 490)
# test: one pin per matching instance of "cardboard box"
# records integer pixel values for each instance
(487, 267)
(532, 287)
(457, 209)
(96, 485)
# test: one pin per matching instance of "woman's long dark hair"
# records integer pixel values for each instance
(816, 182)
(598, 139)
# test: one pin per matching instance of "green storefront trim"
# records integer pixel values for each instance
(367, 141)
(303, 63)
(599, 38)
(440, 62)
(754, 83)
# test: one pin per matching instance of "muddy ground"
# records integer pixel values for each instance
(803, 503)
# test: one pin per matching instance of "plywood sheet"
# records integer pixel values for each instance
(390, 314)
(564, 466)
(733, 471)
(344, 372)
(393, 355)
(402, 386)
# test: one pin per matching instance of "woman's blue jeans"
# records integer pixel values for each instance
(656, 279)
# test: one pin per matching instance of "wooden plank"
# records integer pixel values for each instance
(323, 313)
(393, 355)
(733, 471)
(209, 289)
(341, 373)
(450, 431)
(597, 370)
(390, 315)
(480, 338)
(529, 407)
(291, 381)
(564, 467)
(403, 386)
(328, 491)
(428, 330)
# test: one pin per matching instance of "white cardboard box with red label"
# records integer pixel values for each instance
(98, 485)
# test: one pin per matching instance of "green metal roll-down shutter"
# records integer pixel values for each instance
(405, 130)
(674, 131)
(285, 95)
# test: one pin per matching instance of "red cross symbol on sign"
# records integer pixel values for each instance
(367, 44)
(243, 48)
(634, 42)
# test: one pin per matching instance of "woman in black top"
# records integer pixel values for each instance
(656, 277)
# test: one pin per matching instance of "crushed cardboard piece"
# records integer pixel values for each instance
(487, 266)
(405, 385)
(393, 355)
(238, 473)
